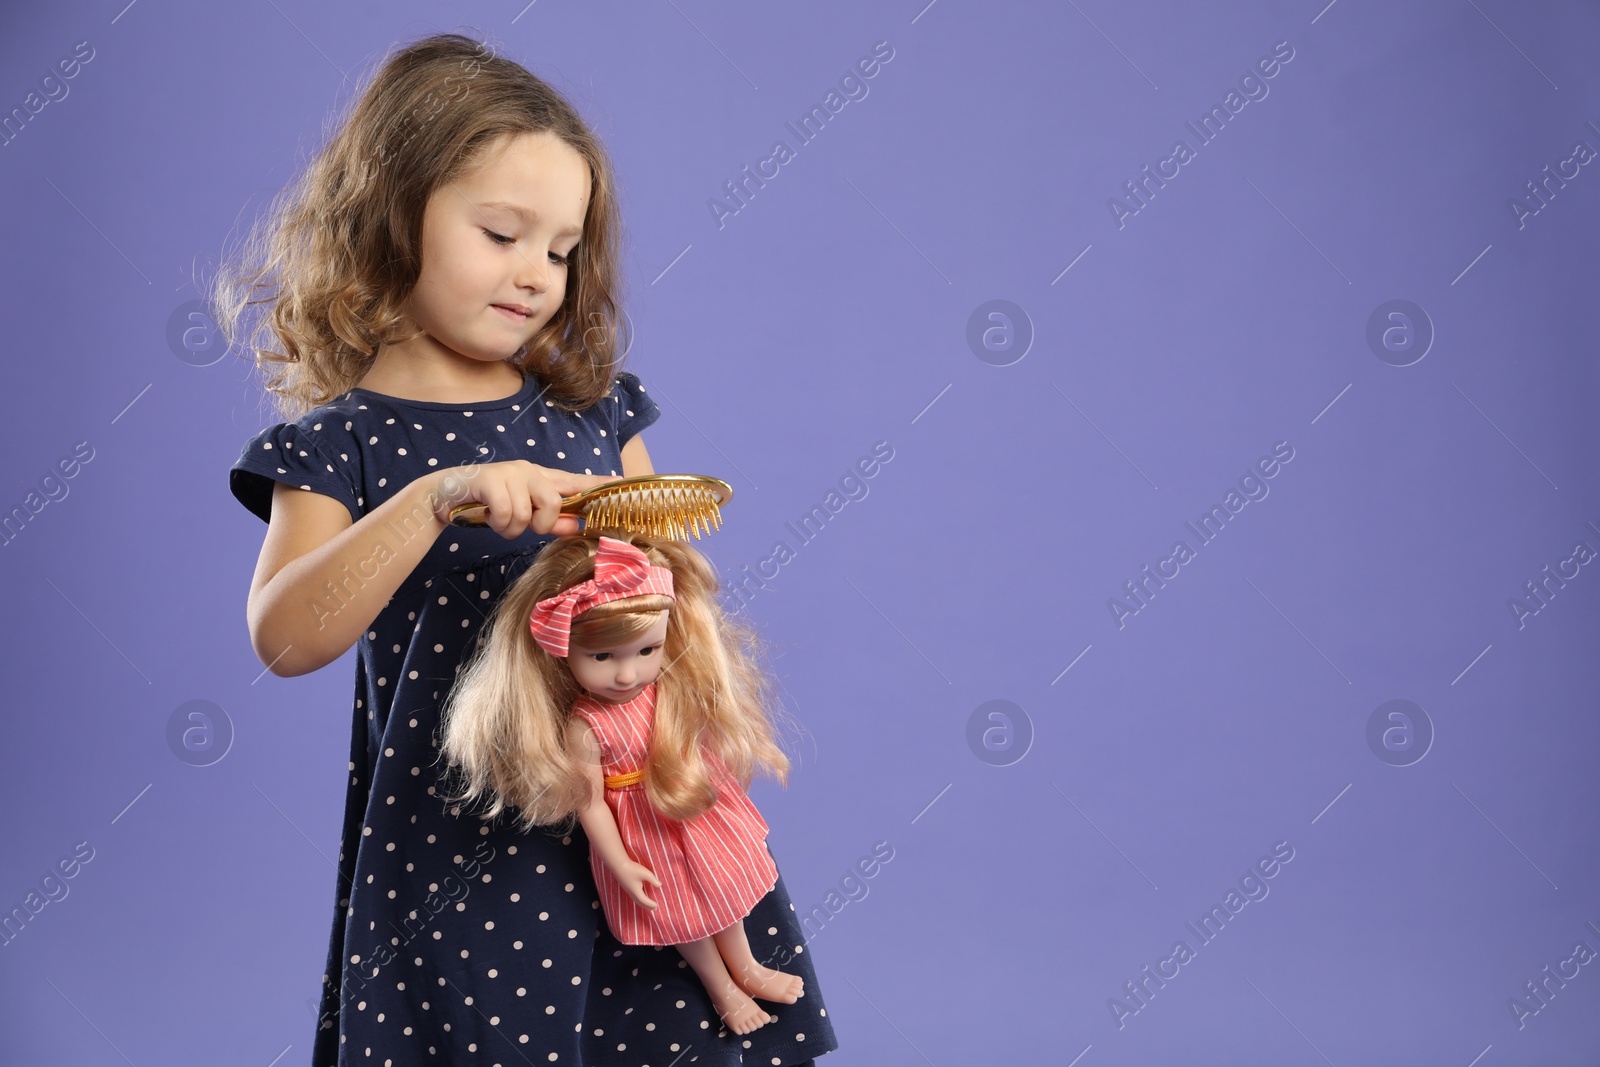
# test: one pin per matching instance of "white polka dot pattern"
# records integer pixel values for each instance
(457, 940)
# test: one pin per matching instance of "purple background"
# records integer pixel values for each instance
(1228, 314)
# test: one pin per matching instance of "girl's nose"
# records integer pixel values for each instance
(533, 274)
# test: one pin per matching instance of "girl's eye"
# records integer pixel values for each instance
(502, 240)
(647, 649)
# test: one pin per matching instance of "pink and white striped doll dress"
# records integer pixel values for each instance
(713, 868)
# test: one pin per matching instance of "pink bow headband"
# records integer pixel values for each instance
(620, 570)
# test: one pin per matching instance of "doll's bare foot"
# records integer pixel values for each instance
(767, 984)
(738, 1011)
(752, 977)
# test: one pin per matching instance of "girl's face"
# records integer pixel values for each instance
(498, 239)
(617, 674)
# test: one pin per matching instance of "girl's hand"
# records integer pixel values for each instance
(520, 495)
(632, 877)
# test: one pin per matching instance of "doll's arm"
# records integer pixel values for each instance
(597, 820)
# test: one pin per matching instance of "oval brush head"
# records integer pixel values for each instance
(671, 506)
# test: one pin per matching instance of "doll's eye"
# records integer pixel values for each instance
(600, 657)
(647, 649)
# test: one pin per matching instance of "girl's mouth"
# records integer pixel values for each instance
(511, 313)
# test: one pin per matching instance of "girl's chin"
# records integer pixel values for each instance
(480, 353)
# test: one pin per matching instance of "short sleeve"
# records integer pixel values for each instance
(307, 455)
(632, 408)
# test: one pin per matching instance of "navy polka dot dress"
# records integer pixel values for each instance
(457, 941)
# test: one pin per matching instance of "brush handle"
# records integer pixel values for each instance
(475, 514)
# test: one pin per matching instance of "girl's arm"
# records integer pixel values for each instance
(296, 624)
(597, 820)
(321, 579)
(635, 460)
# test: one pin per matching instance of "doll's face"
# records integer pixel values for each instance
(617, 674)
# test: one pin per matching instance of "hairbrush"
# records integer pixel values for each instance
(671, 506)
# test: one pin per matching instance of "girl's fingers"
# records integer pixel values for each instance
(566, 483)
(521, 496)
(531, 498)
(520, 514)
(544, 502)
(498, 501)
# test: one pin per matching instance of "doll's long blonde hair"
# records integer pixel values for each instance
(504, 722)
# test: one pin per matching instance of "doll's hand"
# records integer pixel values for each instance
(632, 877)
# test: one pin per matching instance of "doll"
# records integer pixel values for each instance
(610, 687)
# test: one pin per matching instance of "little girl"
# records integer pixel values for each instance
(613, 686)
(433, 303)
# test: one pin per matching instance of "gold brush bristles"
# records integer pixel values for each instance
(672, 512)
(672, 506)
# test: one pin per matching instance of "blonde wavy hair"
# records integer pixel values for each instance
(336, 255)
(503, 724)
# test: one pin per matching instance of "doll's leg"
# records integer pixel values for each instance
(751, 976)
(737, 1010)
